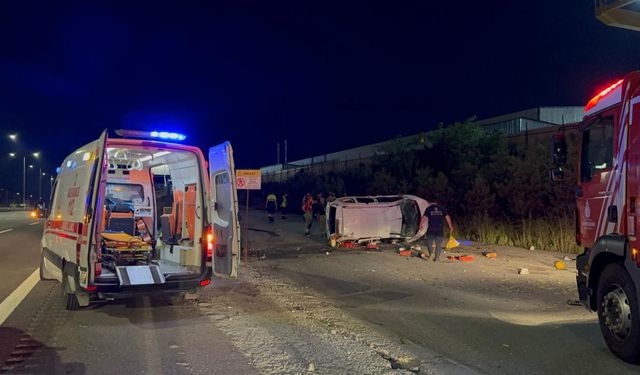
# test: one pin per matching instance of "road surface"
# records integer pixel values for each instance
(140, 336)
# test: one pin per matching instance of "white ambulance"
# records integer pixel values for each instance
(138, 215)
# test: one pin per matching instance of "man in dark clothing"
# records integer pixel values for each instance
(436, 216)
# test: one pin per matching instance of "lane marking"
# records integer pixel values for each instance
(15, 298)
(6, 230)
(34, 223)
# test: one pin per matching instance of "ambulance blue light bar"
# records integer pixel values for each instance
(167, 136)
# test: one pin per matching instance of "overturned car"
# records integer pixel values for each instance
(383, 217)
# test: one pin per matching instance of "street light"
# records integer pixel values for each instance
(24, 170)
(13, 137)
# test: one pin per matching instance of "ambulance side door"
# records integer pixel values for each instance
(223, 211)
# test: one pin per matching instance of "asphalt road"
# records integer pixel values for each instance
(138, 336)
(481, 314)
(19, 249)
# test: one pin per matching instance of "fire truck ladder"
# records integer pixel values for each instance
(619, 13)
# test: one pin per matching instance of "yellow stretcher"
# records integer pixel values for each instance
(123, 249)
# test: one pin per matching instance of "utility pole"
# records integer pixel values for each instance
(39, 184)
(285, 152)
(277, 152)
(24, 181)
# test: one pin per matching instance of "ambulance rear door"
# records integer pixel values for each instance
(89, 240)
(223, 211)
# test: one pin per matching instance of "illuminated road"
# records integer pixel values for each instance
(133, 337)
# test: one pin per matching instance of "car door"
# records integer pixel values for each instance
(223, 211)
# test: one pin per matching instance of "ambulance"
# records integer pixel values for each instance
(140, 214)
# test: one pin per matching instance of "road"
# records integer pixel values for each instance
(344, 311)
(481, 314)
(135, 336)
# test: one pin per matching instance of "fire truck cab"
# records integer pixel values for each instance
(608, 206)
(140, 216)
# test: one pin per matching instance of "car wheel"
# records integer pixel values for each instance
(618, 313)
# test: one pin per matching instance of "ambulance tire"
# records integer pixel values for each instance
(42, 272)
(619, 313)
(70, 300)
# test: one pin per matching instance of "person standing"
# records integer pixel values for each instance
(435, 216)
(307, 208)
(319, 211)
(283, 206)
(272, 202)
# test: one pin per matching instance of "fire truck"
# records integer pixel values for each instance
(608, 206)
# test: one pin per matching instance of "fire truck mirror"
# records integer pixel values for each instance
(557, 174)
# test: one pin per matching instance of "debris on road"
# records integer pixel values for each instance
(404, 252)
(348, 245)
(523, 271)
(311, 367)
(574, 302)
(560, 265)
(490, 254)
(532, 248)
(462, 258)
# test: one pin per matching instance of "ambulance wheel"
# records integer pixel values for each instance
(70, 300)
(42, 272)
(618, 313)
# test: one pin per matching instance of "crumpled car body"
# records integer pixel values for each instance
(382, 217)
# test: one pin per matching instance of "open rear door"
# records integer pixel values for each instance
(89, 240)
(223, 211)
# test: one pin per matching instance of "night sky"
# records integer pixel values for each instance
(326, 76)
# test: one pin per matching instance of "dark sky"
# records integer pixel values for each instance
(325, 76)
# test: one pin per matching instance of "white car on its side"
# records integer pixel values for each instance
(376, 217)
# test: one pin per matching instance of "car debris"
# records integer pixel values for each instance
(382, 217)
(461, 258)
(560, 265)
(523, 271)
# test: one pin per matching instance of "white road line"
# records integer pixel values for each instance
(34, 223)
(10, 303)
(6, 230)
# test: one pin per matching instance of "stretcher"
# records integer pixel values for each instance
(122, 249)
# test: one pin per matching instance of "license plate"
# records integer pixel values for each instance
(139, 275)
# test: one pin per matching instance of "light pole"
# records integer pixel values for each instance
(14, 138)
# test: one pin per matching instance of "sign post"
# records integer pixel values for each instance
(248, 179)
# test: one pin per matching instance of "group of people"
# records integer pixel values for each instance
(315, 209)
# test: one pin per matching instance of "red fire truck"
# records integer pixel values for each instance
(608, 206)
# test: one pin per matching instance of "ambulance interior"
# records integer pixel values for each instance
(152, 211)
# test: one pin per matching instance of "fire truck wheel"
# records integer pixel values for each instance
(618, 313)
(69, 298)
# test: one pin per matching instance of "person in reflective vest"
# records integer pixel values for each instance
(272, 202)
